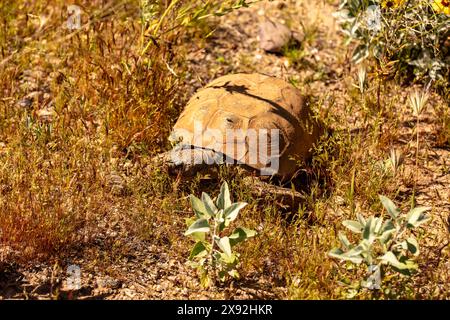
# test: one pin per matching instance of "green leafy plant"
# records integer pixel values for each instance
(405, 37)
(384, 243)
(212, 254)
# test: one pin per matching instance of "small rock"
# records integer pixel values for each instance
(447, 42)
(109, 283)
(2, 147)
(129, 293)
(116, 184)
(35, 95)
(280, 5)
(273, 36)
(158, 288)
(25, 102)
(46, 114)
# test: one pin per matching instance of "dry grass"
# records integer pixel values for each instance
(56, 165)
(82, 113)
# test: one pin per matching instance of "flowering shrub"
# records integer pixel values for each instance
(407, 38)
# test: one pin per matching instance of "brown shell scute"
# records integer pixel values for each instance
(246, 103)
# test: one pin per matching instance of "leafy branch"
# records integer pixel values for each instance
(214, 257)
(383, 243)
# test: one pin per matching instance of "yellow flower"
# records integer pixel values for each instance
(441, 6)
(392, 3)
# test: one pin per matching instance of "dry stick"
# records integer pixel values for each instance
(379, 94)
(417, 144)
(417, 160)
(211, 254)
(417, 139)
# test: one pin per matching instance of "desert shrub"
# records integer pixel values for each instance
(408, 39)
(384, 243)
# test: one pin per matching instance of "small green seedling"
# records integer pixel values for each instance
(383, 243)
(212, 254)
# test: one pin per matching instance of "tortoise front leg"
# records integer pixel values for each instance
(284, 196)
(188, 161)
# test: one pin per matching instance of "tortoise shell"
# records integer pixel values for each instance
(252, 119)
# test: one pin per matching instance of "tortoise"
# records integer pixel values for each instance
(259, 122)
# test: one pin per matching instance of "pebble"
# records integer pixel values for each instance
(273, 36)
(25, 103)
(46, 114)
